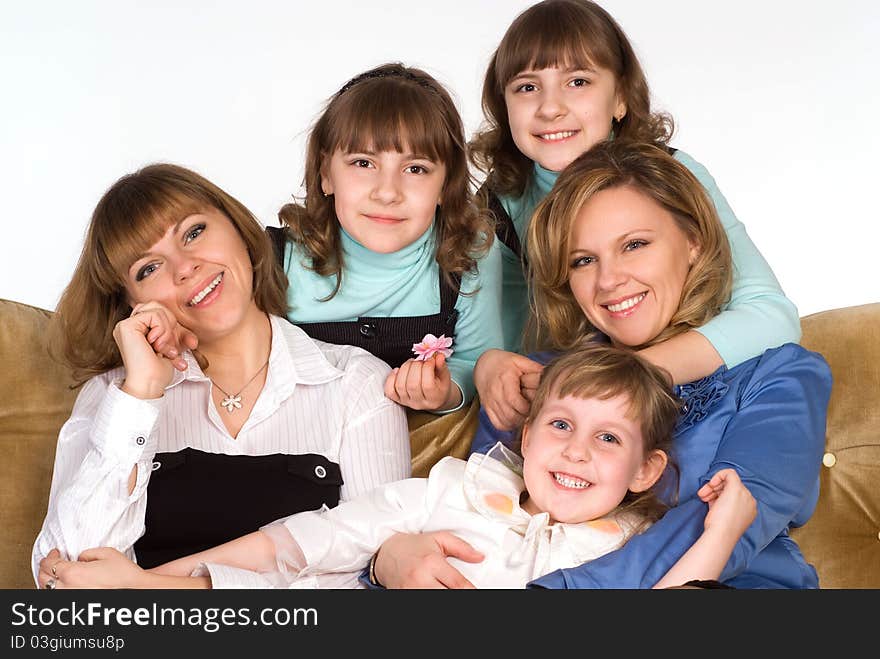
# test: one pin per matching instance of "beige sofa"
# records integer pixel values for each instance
(842, 539)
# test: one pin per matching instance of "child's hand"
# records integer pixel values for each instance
(423, 385)
(506, 382)
(732, 508)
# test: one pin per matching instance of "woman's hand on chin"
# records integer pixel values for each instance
(498, 377)
(151, 343)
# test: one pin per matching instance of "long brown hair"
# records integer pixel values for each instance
(557, 321)
(133, 214)
(391, 107)
(596, 370)
(557, 33)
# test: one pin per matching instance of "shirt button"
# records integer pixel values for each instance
(368, 330)
(156, 465)
(140, 441)
(829, 460)
(320, 472)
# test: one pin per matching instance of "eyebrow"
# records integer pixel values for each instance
(620, 238)
(406, 156)
(571, 69)
(175, 228)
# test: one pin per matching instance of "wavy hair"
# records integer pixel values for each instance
(596, 370)
(391, 107)
(133, 214)
(559, 33)
(556, 319)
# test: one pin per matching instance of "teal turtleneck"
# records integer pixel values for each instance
(514, 290)
(402, 283)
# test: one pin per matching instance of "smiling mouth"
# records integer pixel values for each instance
(625, 305)
(570, 482)
(557, 136)
(204, 292)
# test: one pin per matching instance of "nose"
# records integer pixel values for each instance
(577, 449)
(552, 105)
(611, 275)
(185, 267)
(387, 188)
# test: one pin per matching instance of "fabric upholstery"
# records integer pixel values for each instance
(35, 400)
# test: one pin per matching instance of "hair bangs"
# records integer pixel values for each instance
(137, 215)
(385, 115)
(561, 37)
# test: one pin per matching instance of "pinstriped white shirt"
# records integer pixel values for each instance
(318, 398)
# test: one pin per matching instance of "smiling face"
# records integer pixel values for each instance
(201, 271)
(582, 455)
(558, 113)
(628, 262)
(385, 200)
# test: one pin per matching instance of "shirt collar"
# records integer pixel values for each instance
(293, 359)
(365, 260)
(493, 485)
(544, 179)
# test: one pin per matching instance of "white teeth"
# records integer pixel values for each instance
(627, 304)
(207, 289)
(568, 481)
(552, 137)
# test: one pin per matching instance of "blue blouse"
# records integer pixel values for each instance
(766, 419)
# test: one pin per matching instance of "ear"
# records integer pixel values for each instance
(694, 250)
(619, 107)
(650, 471)
(326, 181)
(524, 441)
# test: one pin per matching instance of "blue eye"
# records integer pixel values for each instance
(559, 424)
(634, 244)
(193, 233)
(581, 261)
(145, 271)
(608, 438)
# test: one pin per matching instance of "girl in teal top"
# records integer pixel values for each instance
(388, 251)
(563, 79)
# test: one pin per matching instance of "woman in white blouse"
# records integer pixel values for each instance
(204, 413)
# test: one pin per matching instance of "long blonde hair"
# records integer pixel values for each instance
(133, 214)
(557, 321)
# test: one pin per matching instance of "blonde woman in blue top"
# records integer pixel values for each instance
(563, 79)
(388, 246)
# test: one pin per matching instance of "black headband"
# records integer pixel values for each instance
(387, 73)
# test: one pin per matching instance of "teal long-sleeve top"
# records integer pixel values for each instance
(402, 283)
(757, 317)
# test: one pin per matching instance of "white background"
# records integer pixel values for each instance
(778, 98)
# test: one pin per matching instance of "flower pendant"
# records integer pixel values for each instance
(231, 403)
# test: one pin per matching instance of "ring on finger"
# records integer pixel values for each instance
(54, 573)
(50, 584)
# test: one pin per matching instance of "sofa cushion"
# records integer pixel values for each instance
(35, 400)
(842, 538)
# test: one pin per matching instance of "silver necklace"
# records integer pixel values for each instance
(233, 402)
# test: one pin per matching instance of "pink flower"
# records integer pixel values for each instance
(431, 345)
